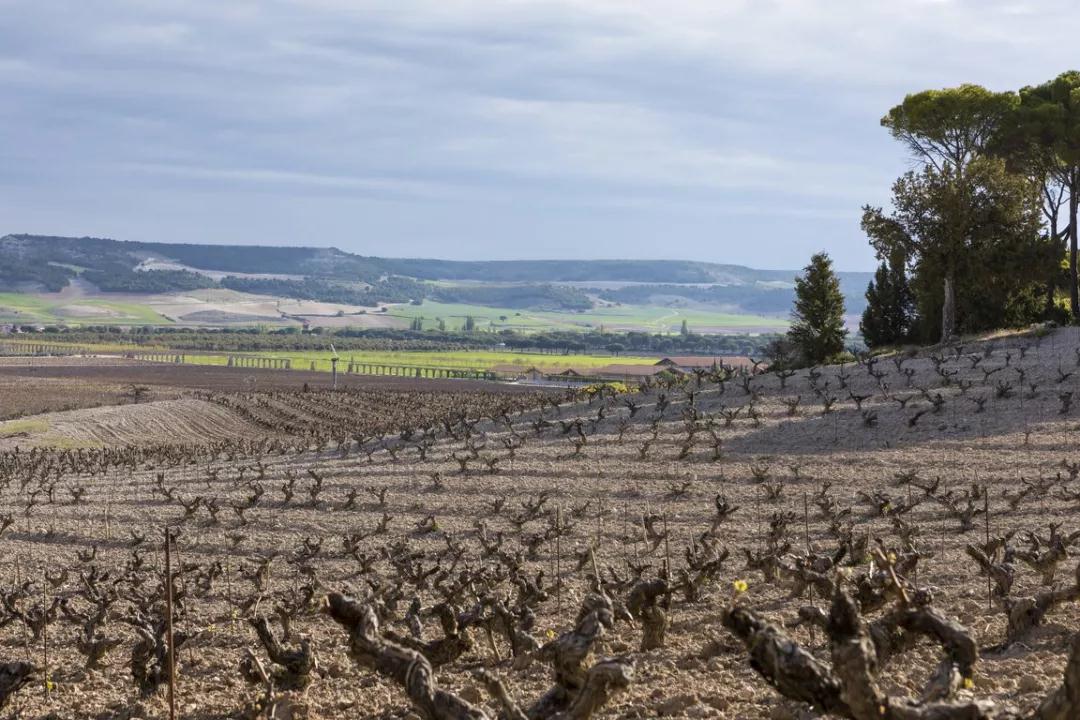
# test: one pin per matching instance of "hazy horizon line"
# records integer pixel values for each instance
(436, 258)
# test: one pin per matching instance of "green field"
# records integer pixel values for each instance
(647, 318)
(16, 427)
(463, 360)
(19, 308)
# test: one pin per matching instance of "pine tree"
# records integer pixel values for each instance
(817, 322)
(890, 305)
(685, 329)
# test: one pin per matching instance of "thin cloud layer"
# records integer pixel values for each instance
(734, 131)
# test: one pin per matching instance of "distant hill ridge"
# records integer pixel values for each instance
(49, 262)
(335, 263)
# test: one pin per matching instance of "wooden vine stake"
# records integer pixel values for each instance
(558, 557)
(667, 550)
(806, 523)
(809, 560)
(986, 518)
(45, 630)
(644, 536)
(599, 521)
(25, 637)
(915, 570)
(626, 535)
(169, 623)
(228, 590)
(945, 489)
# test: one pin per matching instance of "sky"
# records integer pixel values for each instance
(728, 131)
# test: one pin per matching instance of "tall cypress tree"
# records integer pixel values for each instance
(817, 320)
(890, 305)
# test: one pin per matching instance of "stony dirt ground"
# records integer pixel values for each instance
(22, 395)
(601, 490)
(178, 420)
(86, 401)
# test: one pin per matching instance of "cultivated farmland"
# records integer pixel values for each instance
(891, 538)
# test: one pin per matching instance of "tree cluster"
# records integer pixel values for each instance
(977, 233)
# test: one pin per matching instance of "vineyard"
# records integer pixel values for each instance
(893, 538)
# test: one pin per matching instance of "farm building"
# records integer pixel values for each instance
(510, 371)
(616, 372)
(580, 375)
(689, 363)
(630, 373)
(559, 377)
